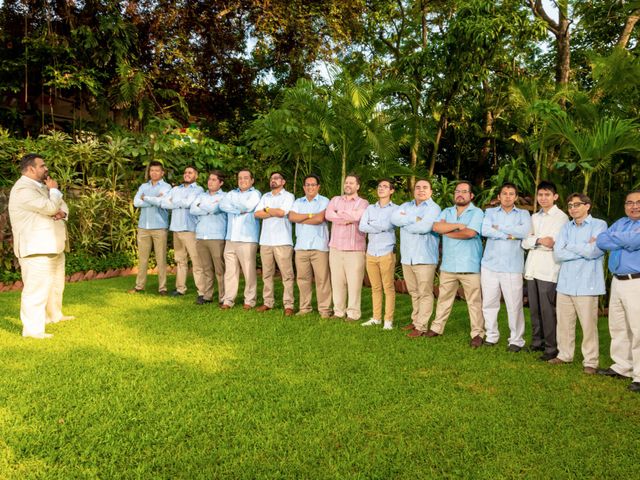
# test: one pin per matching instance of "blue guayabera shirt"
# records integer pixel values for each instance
(500, 253)
(179, 201)
(581, 261)
(418, 243)
(458, 255)
(152, 215)
(276, 231)
(211, 222)
(622, 239)
(381, 233)
(242, 226)
(311, 237)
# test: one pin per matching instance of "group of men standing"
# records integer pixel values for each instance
(220, 232)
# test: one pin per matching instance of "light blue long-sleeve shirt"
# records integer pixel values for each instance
(622, 239)
(502, 254)
(211, 222)
(418, 243)
(462, 255)
(179, 201)
(381, 233)
(311, 237)
(239, 206)
(152, 215)
(581, 261)
(276, 231)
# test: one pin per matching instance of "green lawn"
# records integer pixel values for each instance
(155, 387)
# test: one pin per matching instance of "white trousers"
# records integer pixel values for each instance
(510, 286)
(624, 327)
(41, 301)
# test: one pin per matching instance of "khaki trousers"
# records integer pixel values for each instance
(240, 256)
(148, 238)
(381, 272)
(586, 309)
(624, 326)
(419, 279)
(447, 294)
(211, 253)
(184, 247)
(282, 256)
(41, 301)
(310, 265)
(347, 273)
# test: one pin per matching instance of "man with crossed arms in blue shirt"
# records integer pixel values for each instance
(622, 239)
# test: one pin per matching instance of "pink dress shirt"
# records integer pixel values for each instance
(344, 214)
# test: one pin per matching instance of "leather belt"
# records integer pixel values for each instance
(628, 276)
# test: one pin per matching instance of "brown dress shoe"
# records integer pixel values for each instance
(288, 312)
(411, 326)
(261, 308)
(557, 361)
(247, 306)
(350, 320)
(224, 306)
(590, 370)
(430, 333)
(476, 341)
(135, 290)
(416, 334)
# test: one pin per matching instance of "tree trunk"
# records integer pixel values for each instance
(623, 41)
(563, 59)
(442, 124)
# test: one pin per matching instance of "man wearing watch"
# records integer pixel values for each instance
(312, 247)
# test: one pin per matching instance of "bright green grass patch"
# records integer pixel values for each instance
(154, 387)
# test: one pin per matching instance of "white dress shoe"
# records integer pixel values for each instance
(388, 325)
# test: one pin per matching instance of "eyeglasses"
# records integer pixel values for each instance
(310, 184)
(632, 204)
(461, 191)
(575, 205)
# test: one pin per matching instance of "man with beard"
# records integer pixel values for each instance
(241, 247)
(346, 249)
(276, 244)
(183, 226)
(460, 227)
(419, 254)
(38, 213)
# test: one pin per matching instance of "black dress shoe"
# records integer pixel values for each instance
(176, 293)
(489, 344)
(634, 387)
(513, 348)
(609, 372)
(534, 348)
(547, 356)
(201, 301)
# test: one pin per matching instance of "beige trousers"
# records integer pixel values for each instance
(585, 307)
(41, 301)
(211, 253)
(310, 265)
(282, 256)
(347, 274)
(381, 272)
(419, 280)
(624, 326)
(240, 256)
(184, 247)
(148, 238)
(447, 294)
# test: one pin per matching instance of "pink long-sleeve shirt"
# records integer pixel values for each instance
(344, 214)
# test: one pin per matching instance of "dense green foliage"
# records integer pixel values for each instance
(162, 388)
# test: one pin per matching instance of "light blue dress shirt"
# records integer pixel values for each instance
(500, 253)
(211, 222)
(581, 261)
(462, 256)
(276, 231)
(418, 243)
(152, 216)
(311, 237)
(242, 226)
(622, 239)
(381, 233)
(179, 201)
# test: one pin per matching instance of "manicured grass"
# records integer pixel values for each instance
(155, 387)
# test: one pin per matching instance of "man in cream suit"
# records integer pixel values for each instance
(37, 213)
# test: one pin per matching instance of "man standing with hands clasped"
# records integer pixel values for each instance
(38, 213)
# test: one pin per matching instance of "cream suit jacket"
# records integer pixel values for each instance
(31, 211)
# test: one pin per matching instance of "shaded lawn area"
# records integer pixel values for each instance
(154, 387)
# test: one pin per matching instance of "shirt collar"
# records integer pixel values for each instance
(587, 220)
(390, 204)
(40, 185)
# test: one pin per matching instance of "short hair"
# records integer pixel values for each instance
(637, 190)
(217, 173)
(388, 180)
(464, 182)
(277, 172)
(29, 160)
(508, 185)
(245, 170)
(547, 185)
(192, 167)
(353, 175)
(155, 163)
(584, 198)
(311, 175)
(422, 180)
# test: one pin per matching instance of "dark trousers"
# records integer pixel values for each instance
(542, 306)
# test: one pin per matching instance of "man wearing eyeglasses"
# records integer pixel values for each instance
(622, 240)
(460, 227)
(276, 245)
(312, 247)
(580, 282)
